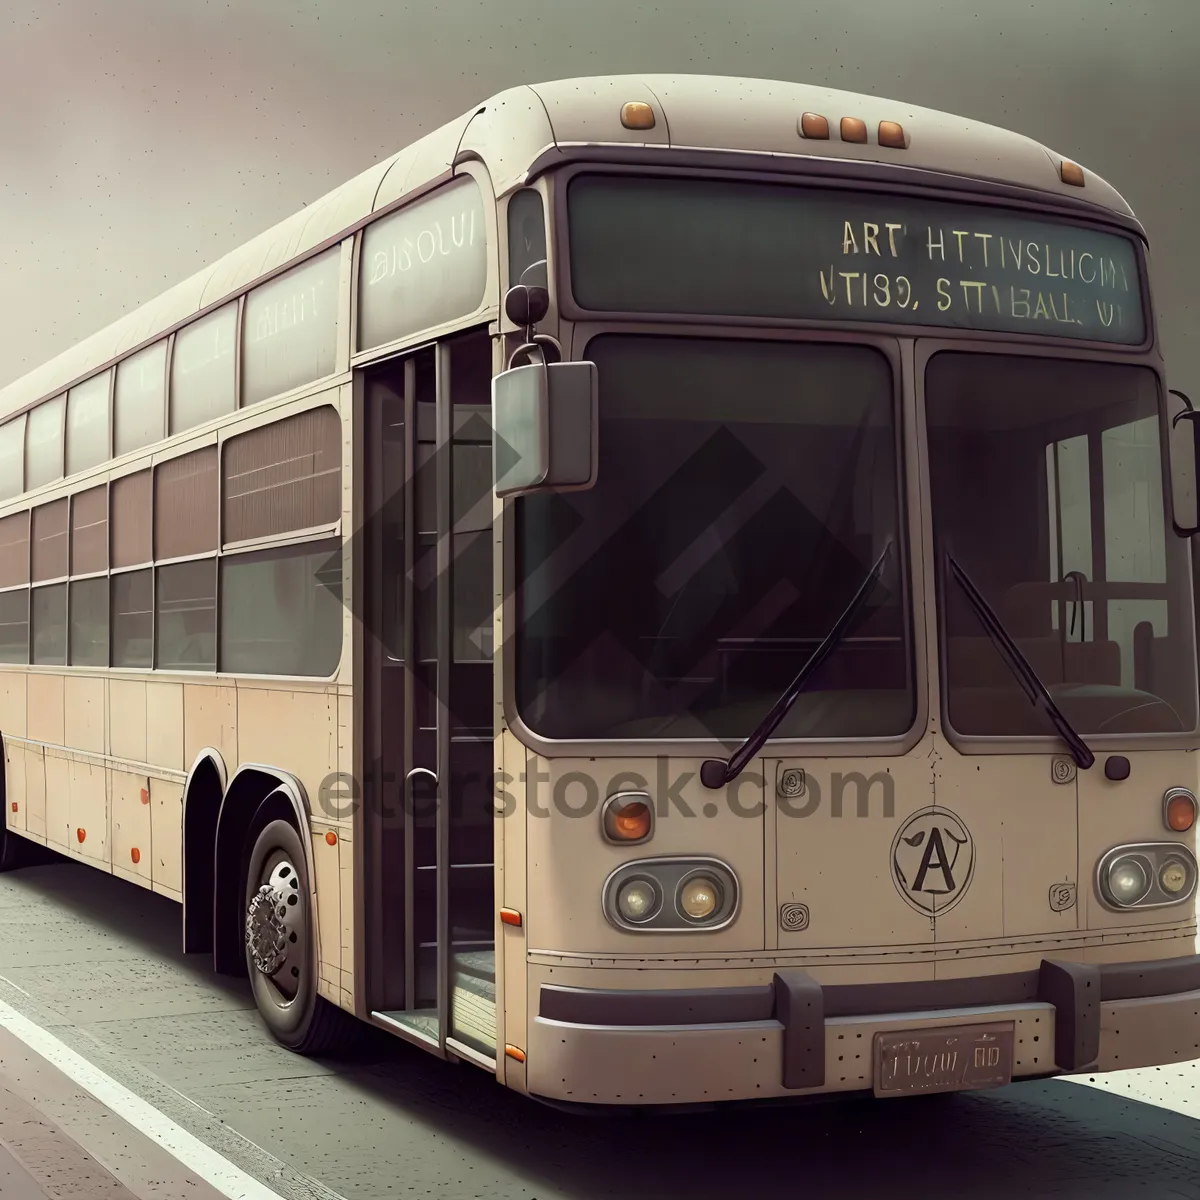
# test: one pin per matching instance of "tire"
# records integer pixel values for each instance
(281, 942)
(12, 850)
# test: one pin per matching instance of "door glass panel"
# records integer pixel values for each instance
(471, 896)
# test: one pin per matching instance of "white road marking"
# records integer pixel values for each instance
(203, 1160)
(1175, 1087)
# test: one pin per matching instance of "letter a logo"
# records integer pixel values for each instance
(933, 860)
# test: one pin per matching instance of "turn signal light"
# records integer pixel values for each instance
(628, 818)
(1179, 810)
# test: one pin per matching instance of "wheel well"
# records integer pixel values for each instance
(256, 796)
(201, 807)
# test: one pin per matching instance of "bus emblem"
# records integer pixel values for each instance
(933, 860)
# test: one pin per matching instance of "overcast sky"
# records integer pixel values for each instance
(142, 139)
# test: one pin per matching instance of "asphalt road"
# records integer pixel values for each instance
(90, 970)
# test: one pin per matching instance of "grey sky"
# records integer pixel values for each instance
(141, 139)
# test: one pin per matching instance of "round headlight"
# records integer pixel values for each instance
(1127, 881)
(699, 897)
(1173, 876)
(638, 900)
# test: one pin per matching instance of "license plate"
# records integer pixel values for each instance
(954, 1059)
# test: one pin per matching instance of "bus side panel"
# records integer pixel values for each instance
(14, 786)
(87, 835)
(131, 842)
(58, 798)
(166, 837)
(12, 704)
(35, 793)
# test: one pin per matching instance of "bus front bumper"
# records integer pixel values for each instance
(790, 1036)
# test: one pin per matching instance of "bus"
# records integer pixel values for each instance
(669, 590)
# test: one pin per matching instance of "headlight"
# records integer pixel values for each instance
(1147, 875)
(699, 897)
(638, 900)
(1127, 880)
(1173, 877)
(671, 895)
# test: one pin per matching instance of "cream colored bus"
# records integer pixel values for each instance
(799, 696)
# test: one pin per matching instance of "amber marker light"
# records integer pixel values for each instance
(1179, 810)
(515, 1053)
(628, 818)
(892, 135)
(815, 126)
(637, 115)
(1071, 173)
(331, 838)
(854, 129)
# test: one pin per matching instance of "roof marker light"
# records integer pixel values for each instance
(891, 134)
(854, 129)
(815, 126)
(1071, 173)
(637, 115)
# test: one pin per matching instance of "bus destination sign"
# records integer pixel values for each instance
(775, 251)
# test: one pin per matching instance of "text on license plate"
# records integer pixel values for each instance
(952, 1059)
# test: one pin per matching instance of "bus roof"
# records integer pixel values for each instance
(526, 125)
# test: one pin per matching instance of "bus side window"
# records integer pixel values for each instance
(526, 233)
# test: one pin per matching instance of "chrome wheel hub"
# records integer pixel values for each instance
(275, 926)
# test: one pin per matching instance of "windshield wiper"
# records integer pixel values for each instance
(716, 772)
(1019, 665)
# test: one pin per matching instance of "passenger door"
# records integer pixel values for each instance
(428, 833)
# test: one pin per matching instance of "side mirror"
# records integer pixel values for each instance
(1185, 464)
(545, 422)
(526, 305)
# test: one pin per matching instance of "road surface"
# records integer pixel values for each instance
(126, 1059)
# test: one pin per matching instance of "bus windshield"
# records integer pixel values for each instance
(746, 488)
(1047, 484)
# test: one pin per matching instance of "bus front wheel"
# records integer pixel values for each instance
(281, 947)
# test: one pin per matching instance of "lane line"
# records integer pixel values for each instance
(230, 1180)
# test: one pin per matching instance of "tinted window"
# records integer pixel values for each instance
(141, 399)
(203, 366)
(186, 606)
(746, 490)
(89, 622)
(50, 624)
(14, 626)
(423, 265)
(1047, 488)
(133, 619)
(290, 330)
(281, 611)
